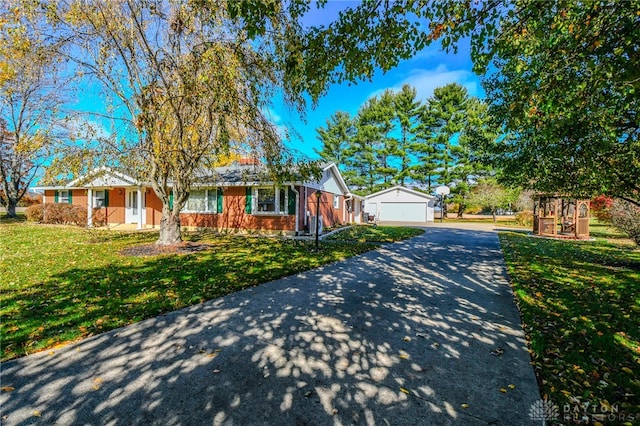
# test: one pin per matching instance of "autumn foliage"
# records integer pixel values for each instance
(601, 208)
(57, 214)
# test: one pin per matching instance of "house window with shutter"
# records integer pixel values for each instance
(336, 201)
(204, 201)
(63, 197)
(99, 198)
(271, 200)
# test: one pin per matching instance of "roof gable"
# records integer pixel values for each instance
(103, 177)
(332, 181)
(401, 189)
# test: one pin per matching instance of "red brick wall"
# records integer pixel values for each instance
(115, 210)
(233, 216)
(154, 207)
(330, 216)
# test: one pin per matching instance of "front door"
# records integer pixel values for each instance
(131, 209)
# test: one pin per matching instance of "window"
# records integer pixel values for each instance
(336, 201)
(99, 199)
(197, 201)
(202, 200)
(63, 197)
(266, 200)
(271, 200)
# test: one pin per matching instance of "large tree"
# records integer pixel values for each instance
(32, 92)
(566, 89)
(189, 80)
(407, 111)
(447, 111)
(336, 137)
(562, 77)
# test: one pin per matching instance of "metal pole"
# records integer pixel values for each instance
(441, 207)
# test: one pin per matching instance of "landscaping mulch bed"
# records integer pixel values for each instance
(155, 249)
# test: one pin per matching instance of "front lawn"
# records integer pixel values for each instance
(63, 283)
(378, 234)
(580, 305)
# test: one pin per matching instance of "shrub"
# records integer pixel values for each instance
(57, 214)
(524, 218)
(601, 208)
(28, 200)
(99, 218)
(77, 216)
(626, 217)
(473, 210)
(35, 212)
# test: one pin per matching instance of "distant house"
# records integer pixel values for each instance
(228, 198)
(400, 204)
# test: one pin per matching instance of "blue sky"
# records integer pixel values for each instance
(429, 69)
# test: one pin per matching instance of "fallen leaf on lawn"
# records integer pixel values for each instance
(37, 413)
(464, 405)
(403, 390)
(512, 386)
(627, 370)
(8, 388)
(403, 356)
(503, 390)
(97, 382)
(407, 339)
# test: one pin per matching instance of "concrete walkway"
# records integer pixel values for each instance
(419, 332)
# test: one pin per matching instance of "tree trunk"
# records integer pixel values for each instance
(11, 209)
(493, 213)
(461, 208)
(169, 228)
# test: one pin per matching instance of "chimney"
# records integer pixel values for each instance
(248, 161)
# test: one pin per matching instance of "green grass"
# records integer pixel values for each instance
(378, 234)
(63, 283)
(580, 305)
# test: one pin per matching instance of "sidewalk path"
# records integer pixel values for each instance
(419, 332)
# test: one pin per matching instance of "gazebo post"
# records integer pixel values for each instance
(555, 217)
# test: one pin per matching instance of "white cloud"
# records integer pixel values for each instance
(426, 80)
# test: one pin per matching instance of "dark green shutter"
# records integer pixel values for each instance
(219, 200)
(70, 195)
(292, 202)
(106, 198)
(247, 204)
(56, 196)
(171, 200)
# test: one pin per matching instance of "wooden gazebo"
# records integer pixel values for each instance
(560, 216)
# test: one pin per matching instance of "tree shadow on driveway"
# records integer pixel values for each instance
(419, 332)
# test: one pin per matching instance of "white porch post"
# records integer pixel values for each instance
(139, 195)
(89, 208)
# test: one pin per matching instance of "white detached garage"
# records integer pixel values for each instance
(400, 204)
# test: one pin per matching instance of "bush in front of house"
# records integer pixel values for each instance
(34, 212)
(57, 214)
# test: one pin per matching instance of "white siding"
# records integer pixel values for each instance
(403, 212)
(399, 204)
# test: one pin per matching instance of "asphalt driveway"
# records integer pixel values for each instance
(424, 331)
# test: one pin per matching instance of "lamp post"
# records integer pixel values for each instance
(318, 196)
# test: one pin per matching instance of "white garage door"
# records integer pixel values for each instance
(403, 212)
